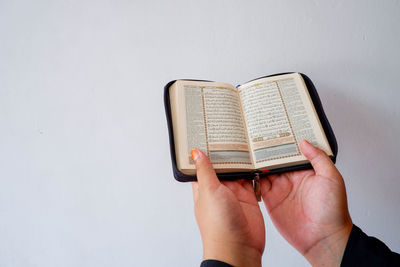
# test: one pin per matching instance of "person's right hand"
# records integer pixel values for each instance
(309, 208)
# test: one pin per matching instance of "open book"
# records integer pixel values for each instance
(254, 126)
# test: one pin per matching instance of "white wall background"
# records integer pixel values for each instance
(85, 175)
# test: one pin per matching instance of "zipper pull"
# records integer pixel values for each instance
(257, 186)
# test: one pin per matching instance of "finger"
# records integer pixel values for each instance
(195, 189)
(243, 190)
(234, 186)
(206, 176)
(248, 185)
(276, 191)
(272, 178)
(238, 185)
(320, 161)
(265, 185)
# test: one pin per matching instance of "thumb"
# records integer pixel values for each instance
(206, 176)
(320, 161)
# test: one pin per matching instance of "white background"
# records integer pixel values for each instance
(85, 174)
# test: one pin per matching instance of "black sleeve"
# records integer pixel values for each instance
(214, 263)
(363, 250)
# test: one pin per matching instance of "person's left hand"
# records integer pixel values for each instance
(229, 217)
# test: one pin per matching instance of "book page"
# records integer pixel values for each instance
(279, 113)
(208, 117)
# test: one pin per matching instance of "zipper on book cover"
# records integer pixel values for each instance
(256, 184)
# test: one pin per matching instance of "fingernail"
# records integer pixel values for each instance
(195, 154)
(306, 141)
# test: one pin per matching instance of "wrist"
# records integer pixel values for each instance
(329, 251)
(233, 254)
